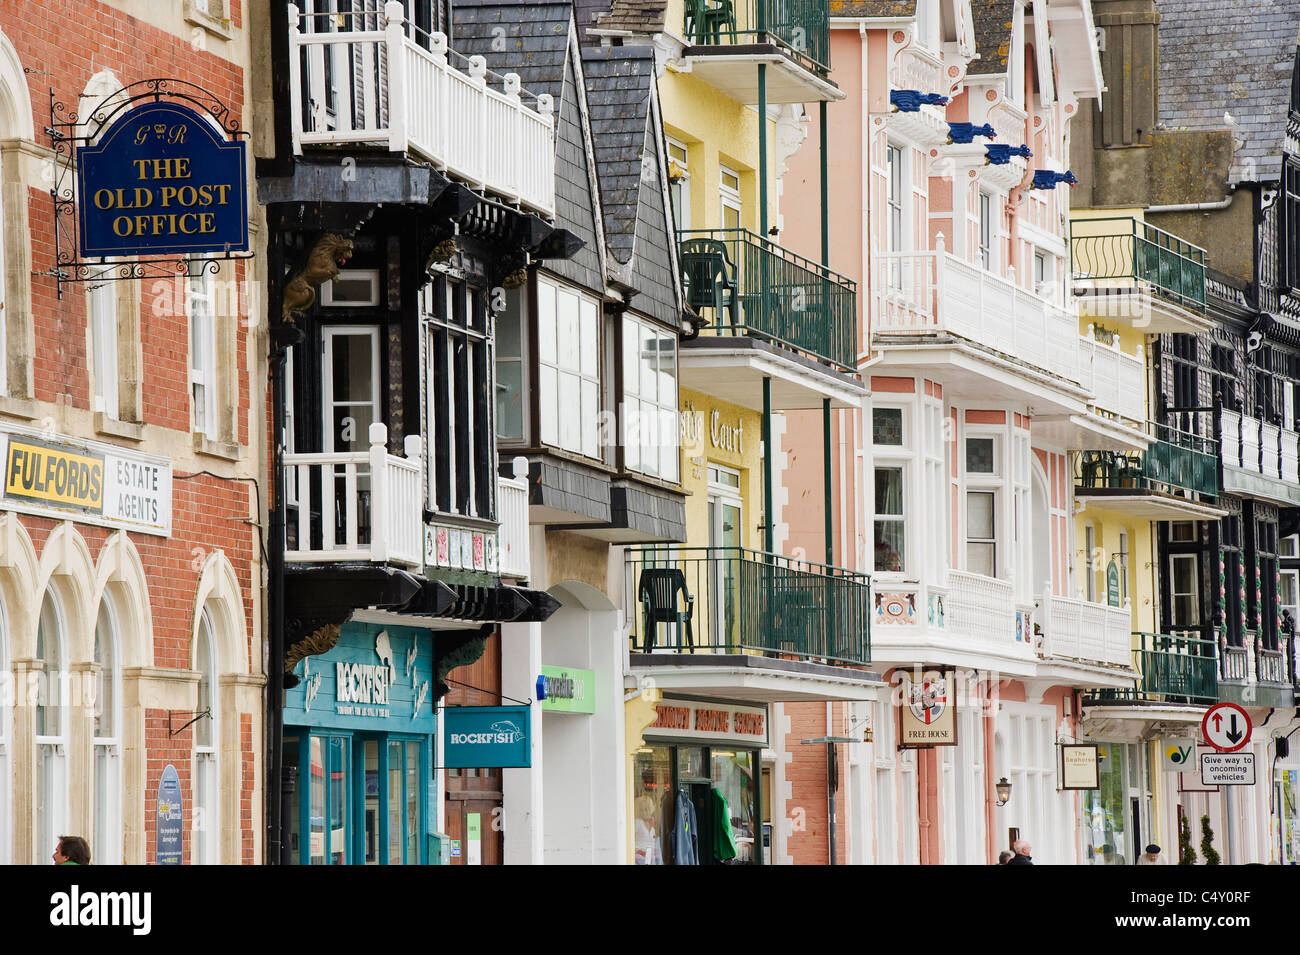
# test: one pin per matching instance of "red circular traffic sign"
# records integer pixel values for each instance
(1226, 727)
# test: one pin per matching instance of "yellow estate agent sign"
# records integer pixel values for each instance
(91, 482)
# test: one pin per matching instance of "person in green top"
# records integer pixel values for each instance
(72, 850)
(724, 842)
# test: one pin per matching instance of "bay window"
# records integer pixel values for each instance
(568, 368)
(889, 526)
(650, 414)
(983, 484)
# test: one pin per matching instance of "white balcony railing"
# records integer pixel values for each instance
(394, 86)
(1116, 380)
(357, 505)
(928, 292)
(1258, 446)
(1075, 629)
(512, 505)
(981, 607)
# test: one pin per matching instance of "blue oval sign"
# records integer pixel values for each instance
(171, 813)
(162, 179)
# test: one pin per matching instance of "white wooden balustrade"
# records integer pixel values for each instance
(358, 505)
(512, 505)
(1116, 380)
(1258, 446)
(928, 292)
(396, 87)
(1087, 632)
(981, 607)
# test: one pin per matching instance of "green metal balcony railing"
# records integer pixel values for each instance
(801, 27)
(745, 285)
(1172, 668)
(1111, 251)
(735, 600)
(1175, 462)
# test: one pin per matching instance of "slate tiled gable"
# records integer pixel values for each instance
(992, 21)
(1239, 64)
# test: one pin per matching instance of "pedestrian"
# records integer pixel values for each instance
(1021, 848)
(71, 850)
(1151, 856)
(1005, 856)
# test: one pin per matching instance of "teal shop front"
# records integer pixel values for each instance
(358, 750)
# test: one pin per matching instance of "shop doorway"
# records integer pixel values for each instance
(474, 815)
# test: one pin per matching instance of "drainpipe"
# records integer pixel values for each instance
(1196, 206)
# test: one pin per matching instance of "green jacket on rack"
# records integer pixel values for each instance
(724, 842)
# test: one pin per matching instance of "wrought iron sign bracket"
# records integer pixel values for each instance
(67, 131)
(184, 726)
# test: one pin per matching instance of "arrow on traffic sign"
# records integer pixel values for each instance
(1232, 733)
(1218, 721)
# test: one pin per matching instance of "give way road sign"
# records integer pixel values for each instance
(1226, 727)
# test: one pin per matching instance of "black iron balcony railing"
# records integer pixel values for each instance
(1113, 251)
(742, 284)
(800, 27)
(1175, 462)
(735, 600)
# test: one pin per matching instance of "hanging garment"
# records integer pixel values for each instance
(686, 846)
(724, 840)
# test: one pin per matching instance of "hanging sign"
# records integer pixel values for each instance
(927, 715)
(170, 814)
(1112, 584)
(1179, 754)
(568, 690)
(486, 737)
(162, 179)
(1079, 766)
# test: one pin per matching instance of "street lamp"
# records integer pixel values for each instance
(1003, 790)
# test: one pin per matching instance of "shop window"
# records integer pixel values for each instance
(107, 841)
(650, 412)
(51, 790)
(460, 446)
(652, 803)
(568, 368)
(205, 839)
(889, 520)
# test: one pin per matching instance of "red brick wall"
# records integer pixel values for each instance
(63, 43)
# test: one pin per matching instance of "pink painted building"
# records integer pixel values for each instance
(954, 480)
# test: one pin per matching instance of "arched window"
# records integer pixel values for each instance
(51, 728)
(107, 840)
(205, 840)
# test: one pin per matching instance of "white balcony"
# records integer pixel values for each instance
(369, 79)
(512, 505)
(915, 68)
(357, 505)
(1259, 459)
(1008, 342)
(982, 608)
(1079, 631)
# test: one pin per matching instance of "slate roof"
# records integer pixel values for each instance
(873, 8)
(992, 22)
(618, 96)
(1240, 64)
(636, 16)
(536, 35)
(585, 13)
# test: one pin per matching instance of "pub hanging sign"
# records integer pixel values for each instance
(162, 179)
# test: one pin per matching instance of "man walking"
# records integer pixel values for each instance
(1021, 848)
